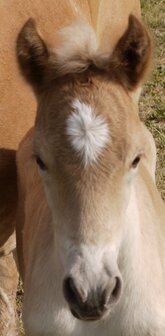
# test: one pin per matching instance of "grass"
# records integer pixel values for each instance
(152, 103)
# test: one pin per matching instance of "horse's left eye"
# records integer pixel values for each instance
(136, 161)
(40, 163)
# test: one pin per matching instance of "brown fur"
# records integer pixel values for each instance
(8, 195)
(51, 16)
(88, 205)
(84, 194)
(18, 105)
(127, 64)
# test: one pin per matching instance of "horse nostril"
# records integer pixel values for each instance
(73, 294)
(91, 305)
(116, 291)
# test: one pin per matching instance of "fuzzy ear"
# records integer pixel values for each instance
(132, 55)
(33, 55)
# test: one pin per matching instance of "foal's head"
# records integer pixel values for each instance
(88, 144)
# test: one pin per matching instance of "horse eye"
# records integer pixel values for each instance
(136, 161)
(40, 163)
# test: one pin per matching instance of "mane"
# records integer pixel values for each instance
(79, 47)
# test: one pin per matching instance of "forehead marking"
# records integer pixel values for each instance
(89, 133)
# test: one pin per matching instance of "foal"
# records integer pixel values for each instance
(91, 236)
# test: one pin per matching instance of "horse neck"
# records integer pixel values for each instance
(142, 251)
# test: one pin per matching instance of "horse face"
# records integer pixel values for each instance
(88, 143)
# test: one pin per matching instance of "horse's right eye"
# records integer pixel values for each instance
(136, 161)
(40, 163)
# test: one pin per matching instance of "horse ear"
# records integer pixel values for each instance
(132, 55)
(33, 55)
